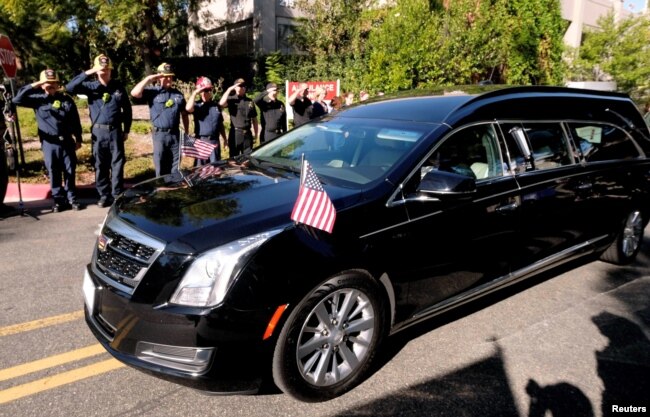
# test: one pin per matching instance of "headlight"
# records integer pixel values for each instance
(206, 281)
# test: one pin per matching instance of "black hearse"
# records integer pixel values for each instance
(202, 278)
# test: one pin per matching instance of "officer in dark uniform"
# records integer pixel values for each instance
(166, 108)
(273, 113)
(208, 120)
(58, 122)
(111, 117)
(302, 106)
(243, 115)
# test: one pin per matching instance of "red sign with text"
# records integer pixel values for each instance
(7, 57)
(330, 87)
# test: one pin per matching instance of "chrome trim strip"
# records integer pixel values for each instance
(123, 228)
(504, 281)
(109, 281)
(99, 328)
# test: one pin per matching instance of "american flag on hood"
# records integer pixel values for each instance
(313, 206)
(196, 148)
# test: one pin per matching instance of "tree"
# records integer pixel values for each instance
(618, 51)
(424, 43)
(333, 39)
(67, 34)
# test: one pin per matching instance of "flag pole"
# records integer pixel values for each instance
(180, 149)
(302, 168)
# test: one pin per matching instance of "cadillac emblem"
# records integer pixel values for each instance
(103, 242)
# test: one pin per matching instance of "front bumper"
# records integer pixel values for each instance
(219, 350)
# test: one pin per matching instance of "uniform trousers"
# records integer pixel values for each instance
(60, 159)
(268, 135)
(166, 152)
(240, 141)
(108, 150)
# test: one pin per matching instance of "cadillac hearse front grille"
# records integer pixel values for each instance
(124, 254)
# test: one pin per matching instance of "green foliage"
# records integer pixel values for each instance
(141, 127)
(423, 43)
(619, 50)
(27, 122)
(68, 34)
(274, 68)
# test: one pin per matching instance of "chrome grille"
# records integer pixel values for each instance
(124, 254)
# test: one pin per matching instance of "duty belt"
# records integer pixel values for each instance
(160, 129)
(107, 127)
(246, 129)
(278, 130)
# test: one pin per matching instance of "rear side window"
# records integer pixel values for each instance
(549, 145)
(600, 142)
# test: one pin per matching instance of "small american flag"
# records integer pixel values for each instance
(313, 206)
(209, 171)
(196, 148)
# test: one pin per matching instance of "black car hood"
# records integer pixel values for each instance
(215, 204)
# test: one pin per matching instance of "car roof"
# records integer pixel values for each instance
(461, 104)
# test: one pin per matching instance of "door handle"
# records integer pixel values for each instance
(507, 208)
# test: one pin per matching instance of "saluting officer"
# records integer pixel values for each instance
(243, 115)
(273, 113)
(208, 120)
(58, 122)
(111, 118)
(166, 108)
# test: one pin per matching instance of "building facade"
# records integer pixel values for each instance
(584, 14)
(243, 27)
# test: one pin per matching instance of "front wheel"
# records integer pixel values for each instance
(328, 342)
(628, 242)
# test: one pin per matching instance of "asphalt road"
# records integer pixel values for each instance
(575, 342)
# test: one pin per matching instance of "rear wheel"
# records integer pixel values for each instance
(327, 345)
(628, 242)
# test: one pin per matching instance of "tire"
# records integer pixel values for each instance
(330, 339)
(628, 241)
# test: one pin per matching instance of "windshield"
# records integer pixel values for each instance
(358, 151)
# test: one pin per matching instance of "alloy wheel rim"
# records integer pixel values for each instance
(632, 233)
(335, 339)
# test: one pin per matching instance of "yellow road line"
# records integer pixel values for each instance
(48, 383)
(50, 362)
(37, 324)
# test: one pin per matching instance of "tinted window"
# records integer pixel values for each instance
(473, 152)
(549, 145)
(356, 151)
(517, 159)
(600, 142)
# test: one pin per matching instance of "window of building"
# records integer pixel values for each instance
(236, 39)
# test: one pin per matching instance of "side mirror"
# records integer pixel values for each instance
(446, 183)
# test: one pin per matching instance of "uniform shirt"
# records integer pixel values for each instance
(242, 111)
(56, 115)
(302, 111)
(207, 118)
(111, 109)
(165, 106)
(274, 115)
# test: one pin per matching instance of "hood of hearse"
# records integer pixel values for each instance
(216, 204)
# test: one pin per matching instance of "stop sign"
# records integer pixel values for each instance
(7, 56)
